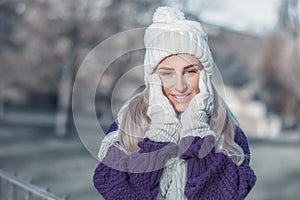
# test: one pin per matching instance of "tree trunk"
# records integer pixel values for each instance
(2, 98)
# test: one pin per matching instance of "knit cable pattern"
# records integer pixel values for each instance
(215, 176)
(210, 175)
(134, 176)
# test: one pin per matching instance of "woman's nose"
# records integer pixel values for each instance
(181, 84)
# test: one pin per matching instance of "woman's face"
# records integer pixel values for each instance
(180, 77)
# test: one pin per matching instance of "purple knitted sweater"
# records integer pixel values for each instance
(214, 176)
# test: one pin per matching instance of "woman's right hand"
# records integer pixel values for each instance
(165, 126)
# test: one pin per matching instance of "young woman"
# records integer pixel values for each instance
(177, 139)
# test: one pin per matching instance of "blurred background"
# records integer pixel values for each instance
(255, 45)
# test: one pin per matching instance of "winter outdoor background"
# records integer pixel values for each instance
(255, 45)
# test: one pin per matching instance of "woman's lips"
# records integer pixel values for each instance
(181, 98)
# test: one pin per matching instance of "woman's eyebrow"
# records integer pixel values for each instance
(192, 65)
(186, 67)
(166, 68)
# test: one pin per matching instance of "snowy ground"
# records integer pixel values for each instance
(277, 166)
(66, 167)
(62, 165)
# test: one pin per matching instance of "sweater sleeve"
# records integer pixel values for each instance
(134, 176)
(212, 175)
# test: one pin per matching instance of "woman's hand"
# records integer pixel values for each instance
(165, 126)
(195, 119)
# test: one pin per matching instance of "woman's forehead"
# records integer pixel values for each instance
(179, 61)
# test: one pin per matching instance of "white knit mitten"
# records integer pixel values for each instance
(165, 126)
(194, 119)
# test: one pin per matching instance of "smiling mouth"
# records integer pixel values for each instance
(181, 98)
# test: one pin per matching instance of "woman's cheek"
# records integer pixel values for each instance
(194, 84)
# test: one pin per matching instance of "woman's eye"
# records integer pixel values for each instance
(191, 71)
(167, 74)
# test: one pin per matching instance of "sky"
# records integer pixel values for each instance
(254, 16)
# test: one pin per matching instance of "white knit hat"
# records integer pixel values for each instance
(170, 33)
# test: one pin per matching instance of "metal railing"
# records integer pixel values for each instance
(17, 188)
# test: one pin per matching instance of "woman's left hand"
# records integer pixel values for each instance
(195, 121)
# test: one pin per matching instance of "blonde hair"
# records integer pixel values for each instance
(134, 122)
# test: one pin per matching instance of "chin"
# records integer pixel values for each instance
(180, 107)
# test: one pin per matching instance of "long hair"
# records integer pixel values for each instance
(134, 122)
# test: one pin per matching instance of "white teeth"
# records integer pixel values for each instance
(180, 97)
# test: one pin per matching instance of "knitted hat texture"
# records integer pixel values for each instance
(169, 34)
